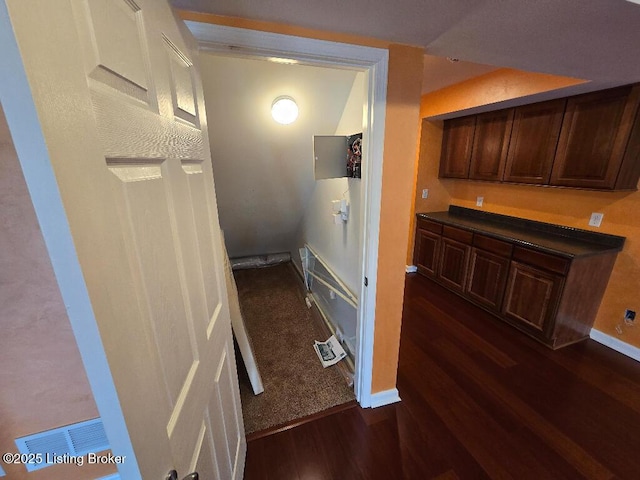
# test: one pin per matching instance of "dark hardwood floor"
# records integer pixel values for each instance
(479, 400)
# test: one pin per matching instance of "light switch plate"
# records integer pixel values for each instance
(596, 219)
(425, 192)
(479, 201)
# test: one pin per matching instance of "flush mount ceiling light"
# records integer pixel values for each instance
(284, 110)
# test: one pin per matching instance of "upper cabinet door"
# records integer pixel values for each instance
(456, 147)
(534, 138)
(593, 139)
(490, 145)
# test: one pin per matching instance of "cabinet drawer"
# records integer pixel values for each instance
(542, 260)
(492, 245)
(458, 234)
(429, 225)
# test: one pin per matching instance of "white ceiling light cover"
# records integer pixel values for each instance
(284, 110)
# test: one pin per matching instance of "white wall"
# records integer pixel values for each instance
(264, 171)
(338, 245)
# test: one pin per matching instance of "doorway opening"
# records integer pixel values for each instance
(372, 65)
(272, 203)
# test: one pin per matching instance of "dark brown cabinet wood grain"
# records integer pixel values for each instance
(487, 277)
(456, 147)
(490, 144)
(594, 137)
(534, 138)
(532, 296)
(454, 258)
(630, 169)
(427, 249)
(585, 141)
(552, 298)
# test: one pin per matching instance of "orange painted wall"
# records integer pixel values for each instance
(400, 148)
(400, 154)
(569, 207)
(497, 86)
(43, 384)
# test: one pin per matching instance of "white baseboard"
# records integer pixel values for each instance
(386, 397)
(615, 344)
(411, 269)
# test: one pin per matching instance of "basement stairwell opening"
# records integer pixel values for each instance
(269, 202)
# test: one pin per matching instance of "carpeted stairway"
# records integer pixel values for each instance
(282, 332)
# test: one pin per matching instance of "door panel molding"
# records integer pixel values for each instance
(116, 208)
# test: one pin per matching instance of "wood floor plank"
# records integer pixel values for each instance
(486, 440)
(439, 448)
(473, 340)
(527, 416)
(480, 401)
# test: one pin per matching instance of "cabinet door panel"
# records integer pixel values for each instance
(426, 252)
(532, 296)
(593, 138)
(456, 147)
(487, 277)
(490, 144)
(630, 169)
(534, 138)
(454, 258)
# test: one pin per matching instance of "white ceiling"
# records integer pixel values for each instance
(439, 72)
(596, 40)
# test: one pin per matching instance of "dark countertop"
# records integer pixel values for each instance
(556, 239)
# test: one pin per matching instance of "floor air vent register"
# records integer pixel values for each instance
(64, 444)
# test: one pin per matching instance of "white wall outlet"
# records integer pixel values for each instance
(425, 192)
(479, 201)
(596, 219)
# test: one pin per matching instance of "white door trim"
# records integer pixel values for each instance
(374, 61)
(22, 118)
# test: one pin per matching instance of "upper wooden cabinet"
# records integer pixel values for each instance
(585, 141)
(630, 169)
(534, 138)
(594, 136)
(490, 143)
(457, 142)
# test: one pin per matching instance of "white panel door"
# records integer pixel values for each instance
(121, 109)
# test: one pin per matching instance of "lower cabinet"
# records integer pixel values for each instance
(552, 298)
(427, 247)
(487, 278)
(452, 269)
(532, 297)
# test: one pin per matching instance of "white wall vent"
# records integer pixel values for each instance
(71, 441)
